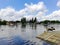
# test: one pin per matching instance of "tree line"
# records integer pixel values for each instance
(23, 20)
(33, 20)
(49, 21)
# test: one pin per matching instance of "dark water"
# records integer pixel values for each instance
(23, 34)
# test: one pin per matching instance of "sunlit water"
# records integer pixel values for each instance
(23, 35)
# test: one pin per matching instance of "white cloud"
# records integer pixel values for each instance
(7, 13)
(58, 3)
(55, 15)
(31, 10)
(36, 10)
(40, 6)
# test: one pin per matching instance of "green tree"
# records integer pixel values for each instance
(35, 20)
(23, 20)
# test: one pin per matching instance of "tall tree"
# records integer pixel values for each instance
(23, 20)
(35, 20)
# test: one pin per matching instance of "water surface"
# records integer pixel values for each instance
(23, 34)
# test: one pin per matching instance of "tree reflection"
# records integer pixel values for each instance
(33, 26)
(23, 26)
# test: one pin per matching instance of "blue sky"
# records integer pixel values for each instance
(19, 5)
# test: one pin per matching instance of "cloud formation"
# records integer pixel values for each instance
(30, 11)
(55, 15)
(58, 3)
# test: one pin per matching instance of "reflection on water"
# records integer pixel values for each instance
(23, 34)
(33, 26)
(23, 26)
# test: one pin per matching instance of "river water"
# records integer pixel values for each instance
(23, 34)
